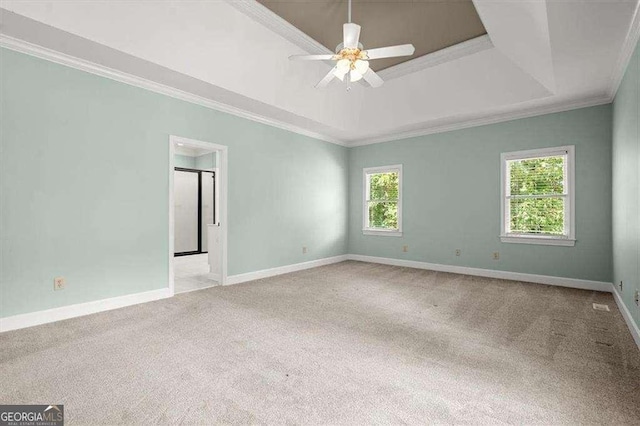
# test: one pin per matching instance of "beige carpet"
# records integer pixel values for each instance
(350, 343)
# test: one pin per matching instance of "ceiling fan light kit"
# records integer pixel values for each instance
(352, 61)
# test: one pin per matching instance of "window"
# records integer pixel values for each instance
(382, 213)
(538, 196)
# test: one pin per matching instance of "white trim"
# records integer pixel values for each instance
(271, 20)
(457, 122)
(626, 314)
(381, 232)
(447, 124)
(489, 273)
(366, 230)
(537, 152)
(221, 181)
(122, 77)
(514, 112)
(628, 47)
(534, 239)
(72, 311)
(439, 57)
(266, 273)
(569, 238)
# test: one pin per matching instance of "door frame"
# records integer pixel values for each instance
(221, 181)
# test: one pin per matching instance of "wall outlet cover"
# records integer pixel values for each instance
(59, 283)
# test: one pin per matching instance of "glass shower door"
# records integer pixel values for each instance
(187, 211)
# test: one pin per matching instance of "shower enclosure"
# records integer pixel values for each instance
(194, 195)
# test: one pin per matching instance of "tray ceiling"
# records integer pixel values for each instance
(431, 25)
(197, 51)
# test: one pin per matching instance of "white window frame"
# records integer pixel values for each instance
(366, 230)
(569, 237)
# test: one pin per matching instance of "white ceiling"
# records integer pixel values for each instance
(191, 151)
(545, 56)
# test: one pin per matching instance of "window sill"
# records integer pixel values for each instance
(548, 241)
(382, 232)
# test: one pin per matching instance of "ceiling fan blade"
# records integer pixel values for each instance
(372, 78)
(311, 57)
(351, 34)
(326, 80)
(391, 51)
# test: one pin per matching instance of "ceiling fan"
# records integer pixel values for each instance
(352, 61)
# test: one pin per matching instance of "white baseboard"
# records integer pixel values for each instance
(265, 273)
(489, 273)
(65, 312)
(626, 314)
(57, 314)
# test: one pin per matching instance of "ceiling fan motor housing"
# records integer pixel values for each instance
(341, 46)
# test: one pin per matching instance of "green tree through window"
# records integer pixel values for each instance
(383, 200)
(536, 195)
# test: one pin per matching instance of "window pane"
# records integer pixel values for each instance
(537, 215)
(383, 186)
(537, 176)
(383, 215)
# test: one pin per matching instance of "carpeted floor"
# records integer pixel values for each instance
(349, 343)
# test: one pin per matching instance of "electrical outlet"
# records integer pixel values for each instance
(496, 255)
(304, 250)
(458, 252)
(59, 283)
(405, 248)
(636, 298)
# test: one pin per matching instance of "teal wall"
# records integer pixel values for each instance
(205, 162)
(626, 185)
(185, 161)
(201, 162)
(104, 224)
(115, 242)
(451, 185)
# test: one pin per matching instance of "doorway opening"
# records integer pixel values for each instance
(197, 212)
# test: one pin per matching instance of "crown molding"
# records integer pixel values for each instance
(22, 46)
(441, 56)
(463, 122)
(628, 47)
(529, 109)
(280, 26)
(437, 126)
